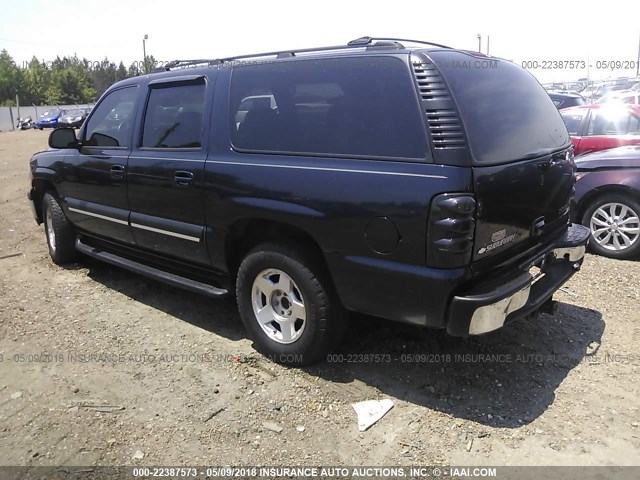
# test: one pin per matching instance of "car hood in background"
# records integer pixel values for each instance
(621, 157)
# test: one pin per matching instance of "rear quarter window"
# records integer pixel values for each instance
(354, 107)
(507, 114)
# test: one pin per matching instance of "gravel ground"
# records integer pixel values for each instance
(103, 367)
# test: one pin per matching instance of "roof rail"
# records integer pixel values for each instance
(364, 41)
(289, 53)
(184, 63)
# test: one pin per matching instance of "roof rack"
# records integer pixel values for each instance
(184, 63)
(362, 42)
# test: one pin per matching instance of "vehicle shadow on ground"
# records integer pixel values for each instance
(503, 379)
(219, 316)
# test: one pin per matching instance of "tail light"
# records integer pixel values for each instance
(450, 230)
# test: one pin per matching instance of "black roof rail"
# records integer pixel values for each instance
(362, 42)
(184, 63)
(289, 53)
(365, 41)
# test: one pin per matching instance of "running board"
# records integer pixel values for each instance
(147, 271)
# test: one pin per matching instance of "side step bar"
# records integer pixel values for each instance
(147, 271)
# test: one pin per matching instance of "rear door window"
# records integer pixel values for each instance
(355, 107)
(174, 116)
(608, 122)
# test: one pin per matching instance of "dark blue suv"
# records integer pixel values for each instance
(401, 179)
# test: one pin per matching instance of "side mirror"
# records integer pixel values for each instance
(63, 138)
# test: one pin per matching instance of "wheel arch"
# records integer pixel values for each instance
(247, 233)
(596, 193)
(40, 186)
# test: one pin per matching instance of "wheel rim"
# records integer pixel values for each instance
(51, 234)
(615, 226)
(278, 306)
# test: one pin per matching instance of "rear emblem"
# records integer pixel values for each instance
(498, 239)
(499, 235)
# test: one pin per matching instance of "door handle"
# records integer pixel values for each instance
(117, 171)
(183, 178)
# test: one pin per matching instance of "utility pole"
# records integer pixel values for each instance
(479, 43)
(638, 60)
(488, 38)
(144, 51)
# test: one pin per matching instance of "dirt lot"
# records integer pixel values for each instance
(135, 369)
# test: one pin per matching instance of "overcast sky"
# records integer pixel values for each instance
(530, 30)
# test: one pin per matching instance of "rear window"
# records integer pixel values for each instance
(356, 107)
(507, 114)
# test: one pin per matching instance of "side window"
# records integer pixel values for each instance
(573, 122)
(339, 106)
(634, 125)
(112, 122)
(605, 122)
(174, 116)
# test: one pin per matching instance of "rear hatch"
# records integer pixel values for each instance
(519, 150)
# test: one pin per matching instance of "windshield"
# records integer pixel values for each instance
(74, 113)
(507, 114)
(48, 113)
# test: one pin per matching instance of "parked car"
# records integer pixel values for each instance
(49, 119)
(375, 185)
(621, 96)
(608, 200)
(601, 126)
(566, 100)
(73, 118)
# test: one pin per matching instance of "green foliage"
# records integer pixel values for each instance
(63, 81)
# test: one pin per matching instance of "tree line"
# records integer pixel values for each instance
(63, 81)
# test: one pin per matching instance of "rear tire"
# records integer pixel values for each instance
(61, 236)
(614, 222)
(288, 305)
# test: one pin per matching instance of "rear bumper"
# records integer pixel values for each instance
(491, 304)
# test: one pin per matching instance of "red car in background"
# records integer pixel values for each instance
(602, 126)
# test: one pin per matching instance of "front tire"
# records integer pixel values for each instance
(614, 221)
(288, 305)
(61, 236)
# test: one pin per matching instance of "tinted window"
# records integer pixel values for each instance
(507, 114)
(174, 116)
(112, 121)
(363, 106)
(573, 121)
(608, 122)
(634, 125)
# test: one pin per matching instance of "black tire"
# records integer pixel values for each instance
(326, 319)
(62, 244)
(633, 205)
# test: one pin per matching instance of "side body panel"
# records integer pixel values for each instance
(343, 204)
